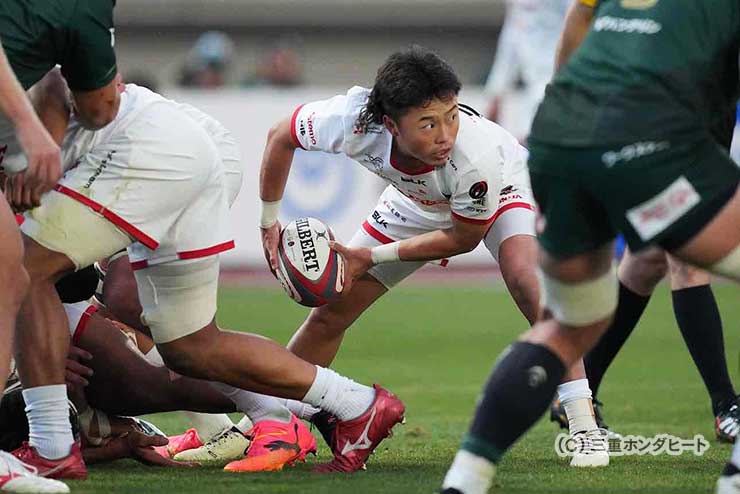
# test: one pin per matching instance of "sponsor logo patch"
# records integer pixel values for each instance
(655, 215)
(478, 189)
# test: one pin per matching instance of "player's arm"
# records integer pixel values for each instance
(274, 171)
(315, 126)
(43, 160)
(97, 108)
(50, 98)
(577, 23)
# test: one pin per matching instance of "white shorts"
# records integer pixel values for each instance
(397, 218)
(78, 317)
(160, 181)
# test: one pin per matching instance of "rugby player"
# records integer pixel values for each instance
(44, 169)
(153, 181)
(623, 141)
(454, 180)
(694, 305)
(37, 35)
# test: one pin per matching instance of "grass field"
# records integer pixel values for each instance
(434, 348)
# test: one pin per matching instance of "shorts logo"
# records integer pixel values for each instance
(478, 189)
(379, 220)
(639, 4)
(102, 166)
(655, 215)
(302, 128)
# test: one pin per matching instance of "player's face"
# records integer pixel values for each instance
(427, 133)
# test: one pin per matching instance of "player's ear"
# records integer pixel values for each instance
(391, 125)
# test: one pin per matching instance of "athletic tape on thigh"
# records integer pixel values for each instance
(584, 303)
(729, 266)
(178, 298)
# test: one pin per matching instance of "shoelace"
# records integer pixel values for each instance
(16, 464)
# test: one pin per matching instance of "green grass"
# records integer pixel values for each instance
(434, 348)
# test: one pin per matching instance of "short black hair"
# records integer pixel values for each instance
(408, 79)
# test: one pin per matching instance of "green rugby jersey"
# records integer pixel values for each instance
(646, 69)
(76, 34)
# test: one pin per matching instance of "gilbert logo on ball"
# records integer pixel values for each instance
(309, 271)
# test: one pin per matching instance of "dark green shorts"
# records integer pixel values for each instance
(659, 193)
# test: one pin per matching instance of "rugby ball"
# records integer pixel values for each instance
(309, 271)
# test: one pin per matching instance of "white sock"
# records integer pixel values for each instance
(256, 406)
(153, 357)
(301, 410)
(575, 396)
(470, 474)
(244, 425)
(208, 425)
(735, 459)
(338, 395)
(49, 430)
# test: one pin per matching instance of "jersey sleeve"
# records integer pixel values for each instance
(474, 198)
(90, 61)
(320, 125)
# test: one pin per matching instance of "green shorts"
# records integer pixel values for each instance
(661, 192)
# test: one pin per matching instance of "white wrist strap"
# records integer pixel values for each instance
(385, 253)
(269, 214)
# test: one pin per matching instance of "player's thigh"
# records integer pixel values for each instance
(178, 298)
(572, 220)
(11, 246)
(65, 226)
(718, 242)
(642, 271)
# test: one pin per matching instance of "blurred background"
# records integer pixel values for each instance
(250, 63)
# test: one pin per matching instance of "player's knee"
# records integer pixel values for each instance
(16, 283)
(326, 321)
(191, 355)
(643, 271)
(583, 303)
(122, 300)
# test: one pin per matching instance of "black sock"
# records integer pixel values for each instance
(516, 395)
(698, 319)
(628, 313)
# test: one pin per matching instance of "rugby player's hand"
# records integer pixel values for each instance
(357, 260)
(44, 162)
(270, 241)
(141, 447)
(76, 372)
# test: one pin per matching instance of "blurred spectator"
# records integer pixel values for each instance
(279, 65)
(209, 61)
(525, 60)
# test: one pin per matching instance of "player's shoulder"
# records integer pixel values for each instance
(480, 143)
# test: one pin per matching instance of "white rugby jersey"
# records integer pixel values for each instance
(527, 44)
(467, 187)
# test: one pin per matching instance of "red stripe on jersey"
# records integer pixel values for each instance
(512, 205)
(376, 234)
(82, 324)
(110, 216)
(399, 167)
(19, 219)
(187, 254)
(293, 133)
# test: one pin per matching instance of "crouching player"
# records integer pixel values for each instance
(153, 182)
(454, 179)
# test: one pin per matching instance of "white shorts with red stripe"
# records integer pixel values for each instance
(397, 218)
(160, 181)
